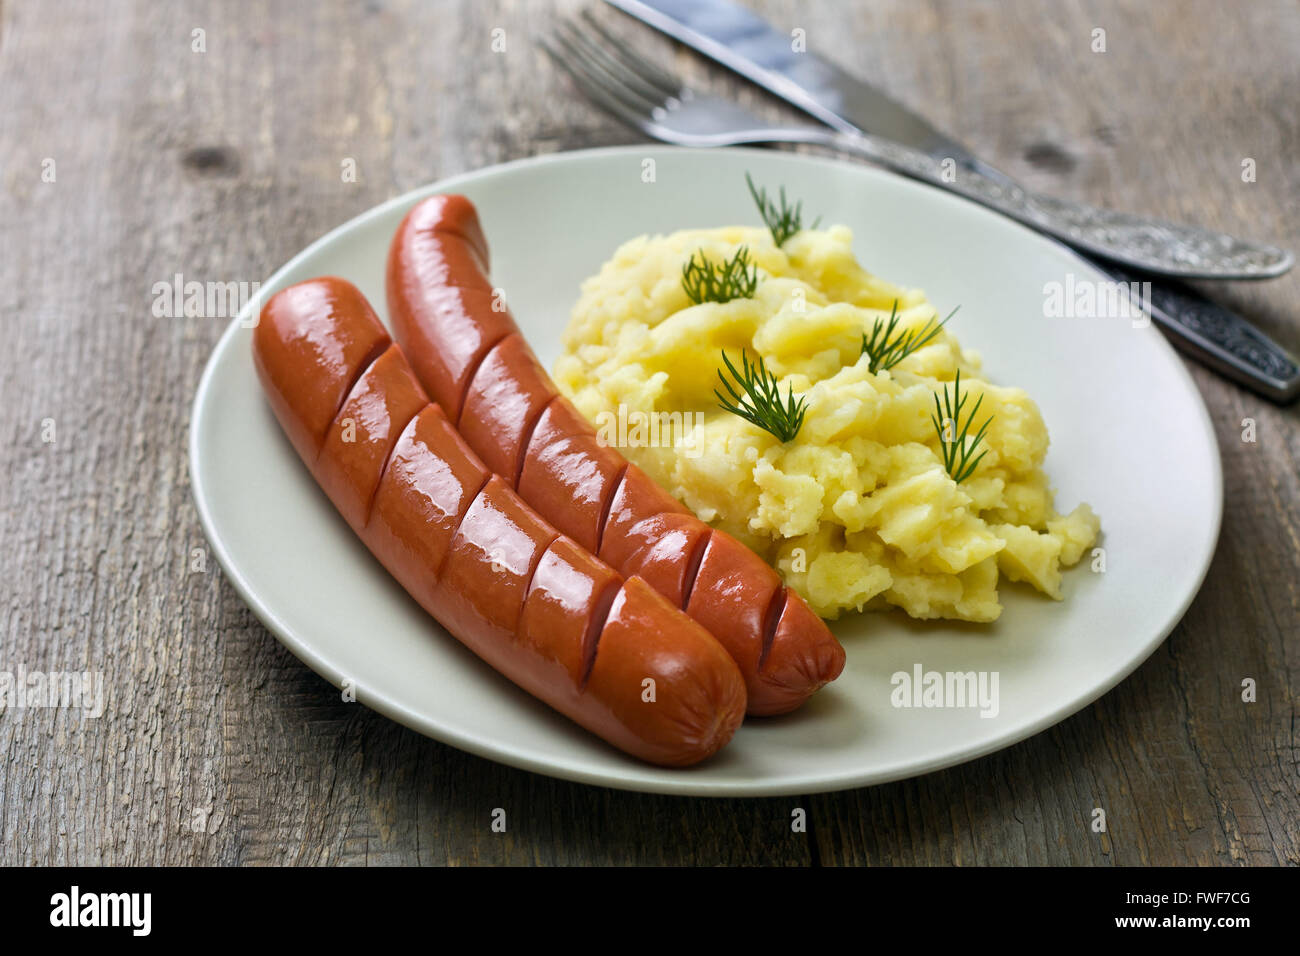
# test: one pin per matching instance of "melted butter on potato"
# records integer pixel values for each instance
(857, 511)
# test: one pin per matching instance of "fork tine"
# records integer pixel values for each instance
(612, 87)
(634, 89)
(652, 73)
(595, 90)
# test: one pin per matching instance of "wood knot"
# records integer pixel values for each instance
(211, 160)
(1050, 157)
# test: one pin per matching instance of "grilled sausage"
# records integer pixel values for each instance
(469, 354)
(611, 654)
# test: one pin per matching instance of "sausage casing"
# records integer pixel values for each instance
(610, 653)
(468, 352)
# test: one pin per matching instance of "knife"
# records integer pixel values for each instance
(744, 42)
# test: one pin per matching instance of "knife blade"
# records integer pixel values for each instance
(746, 43)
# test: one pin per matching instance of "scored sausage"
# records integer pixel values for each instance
(468, 353)
(530, 601)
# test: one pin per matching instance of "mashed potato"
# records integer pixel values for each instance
(858, 510)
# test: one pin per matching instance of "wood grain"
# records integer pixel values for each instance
(219, 747)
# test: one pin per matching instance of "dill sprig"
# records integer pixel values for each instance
(783, 220)
(886, 349)
(758, 399)
(957, 452)
(733, 278)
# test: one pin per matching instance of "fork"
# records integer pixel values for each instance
(651, 99)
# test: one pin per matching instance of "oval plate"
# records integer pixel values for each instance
(1129, 435)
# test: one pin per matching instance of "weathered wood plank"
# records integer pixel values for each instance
(218, 746)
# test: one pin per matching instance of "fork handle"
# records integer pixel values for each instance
(1169, 249)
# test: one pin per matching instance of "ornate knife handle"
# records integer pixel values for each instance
(1216, 336)
(1222, 340)
(1170, 249)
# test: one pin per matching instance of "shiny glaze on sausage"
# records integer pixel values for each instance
(610, 653)
(469, 354)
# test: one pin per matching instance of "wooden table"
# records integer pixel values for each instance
(218, 746)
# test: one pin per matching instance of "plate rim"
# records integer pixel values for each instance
(683, 782)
